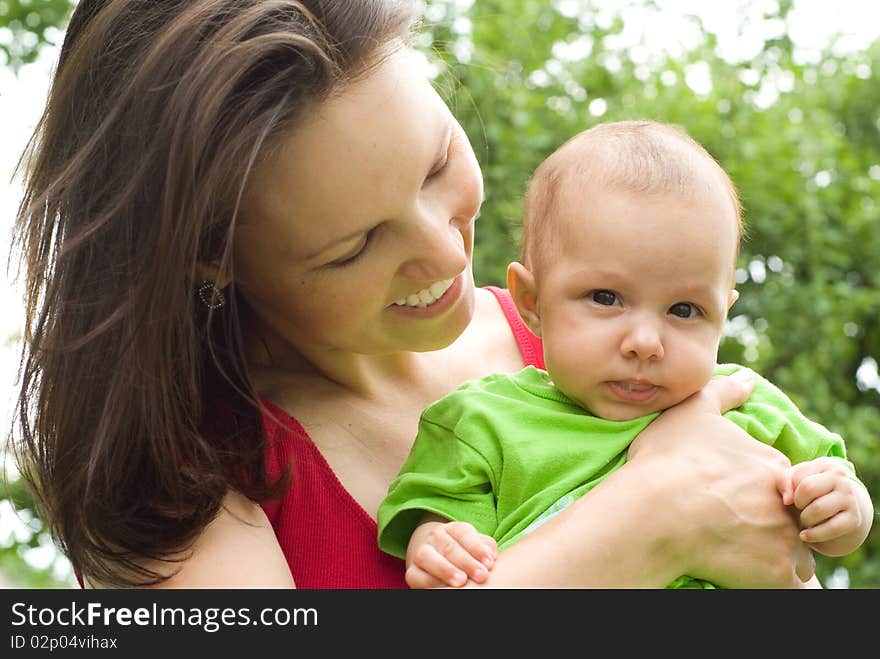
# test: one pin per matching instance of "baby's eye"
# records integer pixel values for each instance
(606, 298)
(684, 310)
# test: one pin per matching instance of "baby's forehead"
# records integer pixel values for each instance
(598, 211)
(640, 163)
(628, 157)
(664, 165)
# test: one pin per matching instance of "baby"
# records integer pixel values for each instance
(630, 241)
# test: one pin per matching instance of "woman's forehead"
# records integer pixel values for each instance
(393, 105)
(355, 152)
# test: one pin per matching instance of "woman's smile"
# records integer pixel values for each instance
(431, 301)
(426, 296)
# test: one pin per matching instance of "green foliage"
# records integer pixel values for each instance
(30, 535)
(800, 140)
(25, 27)
(30, 24)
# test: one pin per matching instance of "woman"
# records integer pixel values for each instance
(248, 232)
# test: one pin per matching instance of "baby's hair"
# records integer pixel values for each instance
(640, 156)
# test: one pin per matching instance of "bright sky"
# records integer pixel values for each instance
(811, 25)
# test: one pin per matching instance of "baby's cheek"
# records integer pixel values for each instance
(698, 375)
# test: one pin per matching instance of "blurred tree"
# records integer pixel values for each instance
(799, 135)
(28, 557)
(25, 27)
(29, 25)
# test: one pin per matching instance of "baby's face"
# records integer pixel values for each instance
(633, 300)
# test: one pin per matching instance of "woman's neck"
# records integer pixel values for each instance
(485, 346)
(361, 375)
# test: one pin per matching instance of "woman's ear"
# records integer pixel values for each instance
(521, 283)
(211, 271)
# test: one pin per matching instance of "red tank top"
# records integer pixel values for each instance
(329, 540)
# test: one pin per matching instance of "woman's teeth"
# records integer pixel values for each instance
(426, 296)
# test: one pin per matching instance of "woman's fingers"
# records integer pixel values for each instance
(784, 486)
(725, 392)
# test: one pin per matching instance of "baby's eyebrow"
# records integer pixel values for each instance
(695, 290)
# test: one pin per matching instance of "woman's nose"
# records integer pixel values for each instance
(436, 247)
(643, 341)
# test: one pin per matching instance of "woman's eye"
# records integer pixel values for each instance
(438, 168)
(684, 310)
(606, 298)
(351, 258)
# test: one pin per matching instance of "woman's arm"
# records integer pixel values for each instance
(698, 497)
(238, 549)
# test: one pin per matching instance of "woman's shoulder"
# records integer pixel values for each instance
(487, 344)
(241, 528)
(503, 326)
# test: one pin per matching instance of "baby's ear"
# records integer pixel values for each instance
(521, 283)
(732, 298)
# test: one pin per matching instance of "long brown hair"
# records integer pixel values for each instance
(136, 413)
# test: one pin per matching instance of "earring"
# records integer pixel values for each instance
(211, 296)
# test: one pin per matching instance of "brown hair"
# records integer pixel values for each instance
(136, 413)
(641, 156)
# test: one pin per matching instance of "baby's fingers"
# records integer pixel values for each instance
(470, 551)
(430, 568)
(456, 552)
(816, 477)
(832, 528)
(819, 485)
(416, 577)
(479, 546)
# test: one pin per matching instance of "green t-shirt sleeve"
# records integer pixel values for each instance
(442, 475)
(770, 416)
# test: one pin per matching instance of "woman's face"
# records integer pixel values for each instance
(357, 232)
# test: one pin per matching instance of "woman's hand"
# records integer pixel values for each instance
(698, 497)
(733, 529)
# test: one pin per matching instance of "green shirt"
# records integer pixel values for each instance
(506, 452)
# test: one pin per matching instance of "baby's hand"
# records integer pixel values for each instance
(828, 499)
(448, 554)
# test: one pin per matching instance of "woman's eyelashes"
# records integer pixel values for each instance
(440, 165)
(438, 168)
(350, 258)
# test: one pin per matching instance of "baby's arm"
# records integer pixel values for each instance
(443, 553)
(836, 511)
